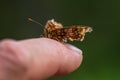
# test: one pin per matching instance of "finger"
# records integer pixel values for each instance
(44, 57)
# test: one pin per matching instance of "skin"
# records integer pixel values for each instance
(37, 59)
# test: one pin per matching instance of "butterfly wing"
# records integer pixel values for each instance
(69, 33)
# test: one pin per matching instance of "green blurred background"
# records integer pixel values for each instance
(100, 48)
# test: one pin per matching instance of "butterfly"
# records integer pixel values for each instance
(56, 31)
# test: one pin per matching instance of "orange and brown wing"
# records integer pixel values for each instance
(69, 33)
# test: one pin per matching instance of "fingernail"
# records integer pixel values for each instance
(73, 48)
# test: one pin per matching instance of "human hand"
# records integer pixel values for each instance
(37, 59)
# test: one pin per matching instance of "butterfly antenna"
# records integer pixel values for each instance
(34, 21)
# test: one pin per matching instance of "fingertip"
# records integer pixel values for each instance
(72, 60)
(67, 56)
(64, 58)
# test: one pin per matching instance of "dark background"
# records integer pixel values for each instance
(100, 48)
